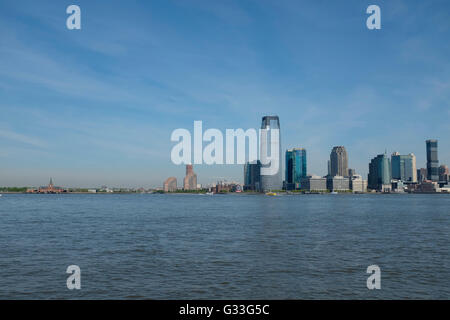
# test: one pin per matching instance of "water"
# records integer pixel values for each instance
(144, 246)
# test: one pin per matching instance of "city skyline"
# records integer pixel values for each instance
(97, 106)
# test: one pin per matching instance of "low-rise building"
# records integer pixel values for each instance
(338, 183)
(358, 184)
(314, 183)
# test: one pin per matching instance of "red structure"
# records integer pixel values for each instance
(48, 189)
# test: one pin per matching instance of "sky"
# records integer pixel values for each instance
(97, 106)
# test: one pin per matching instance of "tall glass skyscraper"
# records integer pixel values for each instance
(252, 178)
(404, 167)
(432, 160)
(267, 146)
(380, 173)
(295, 168)
(339, 162)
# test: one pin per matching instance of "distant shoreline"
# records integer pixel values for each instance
(228, 193)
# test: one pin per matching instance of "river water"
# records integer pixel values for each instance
(184, 246)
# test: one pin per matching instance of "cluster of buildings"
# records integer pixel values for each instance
(397, 173)
(190, 184)
(50, 188)
(340, 178)
(189, 181)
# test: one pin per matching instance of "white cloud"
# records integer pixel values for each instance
(18, 137)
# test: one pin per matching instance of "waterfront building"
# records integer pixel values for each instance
(275, 181)
(225, 187)
(421, 175)
(50, 188)
(170, 185)
(426, 187)
(190, 181)
(432, 160)
(358, 184)
(338, 161)
(404, 167)
(379, 177)
(397, 186)
(444, 174)
(295, 168)
(252, 177)
(338, 183)
(314, 183)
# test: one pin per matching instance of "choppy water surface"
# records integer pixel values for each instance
(146, 246)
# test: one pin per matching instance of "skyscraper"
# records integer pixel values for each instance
(190, 181)
(380, 173)
(273, 181)
(170, 185)
(252, 178)
(404, 167)
(338, 161)
(432, 160)
(295, 168)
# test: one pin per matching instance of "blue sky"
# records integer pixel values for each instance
(97, 106)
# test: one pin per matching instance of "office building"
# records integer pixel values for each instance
(358, 184)
(314, 183)
(268, 147)
(190, 181)
(421, 175)
(338, 161)
(295, 168)
(379, 177)
(404, 167)
(338, 183)
(443, 173)
(252, 177)
(432, 160)
(170, 185)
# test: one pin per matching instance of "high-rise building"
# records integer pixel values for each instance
(273, 181)
(170, 185)
(379, 177)
(252, 177)
(404, 167)
(190, 181)
(432, 160)
(295, 168)
(338, 162)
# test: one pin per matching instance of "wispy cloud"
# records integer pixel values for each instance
(21, 138)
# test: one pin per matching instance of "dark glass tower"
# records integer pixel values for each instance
(432, 160)
(380, 173)
(295, 168)
(252, 178)
(273, 181)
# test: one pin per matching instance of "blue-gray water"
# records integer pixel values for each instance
(224, 246)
